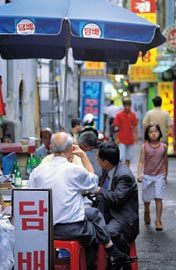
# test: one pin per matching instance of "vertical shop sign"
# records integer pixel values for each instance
(166, 91)
(143, 6)
(91, 100)
(32, 221)
(142, 70)
(175, 118)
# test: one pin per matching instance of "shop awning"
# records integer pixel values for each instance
(164, 66)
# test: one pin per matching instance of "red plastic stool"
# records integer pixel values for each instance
(101, 257)
(77, 253)
(133, 253)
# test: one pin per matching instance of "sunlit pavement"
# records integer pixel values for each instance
(157, 249)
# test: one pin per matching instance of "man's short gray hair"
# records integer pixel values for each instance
(62, 144)
(88, 138)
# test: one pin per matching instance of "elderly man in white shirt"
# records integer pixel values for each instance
(69, 182)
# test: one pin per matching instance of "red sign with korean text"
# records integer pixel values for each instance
(143, 6)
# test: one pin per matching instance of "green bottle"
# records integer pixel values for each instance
(14, 172)
(18, 178)
(34, 162)
(28, 165)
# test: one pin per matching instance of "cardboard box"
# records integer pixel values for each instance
(5, 185)
(2, 202)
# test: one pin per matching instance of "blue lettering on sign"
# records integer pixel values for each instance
(92, 89)
(91, 100)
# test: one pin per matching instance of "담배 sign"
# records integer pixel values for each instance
(92, 100)
(32, 221)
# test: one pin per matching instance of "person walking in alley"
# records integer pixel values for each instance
(161, 117)
(126, 122)
(152, 171)
(112, 110)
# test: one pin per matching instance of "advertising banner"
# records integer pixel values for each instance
(93, 65)
(91, 100)
(142, 70)
(142, 6)
(174, 118)
(166, 91)
(148, 59)
(142, 74)
(33, 226)
(151, 17)
(90, 68)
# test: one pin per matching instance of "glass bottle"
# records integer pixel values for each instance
(28, 165)
(14, 172)
(34, 162)
(18, 178)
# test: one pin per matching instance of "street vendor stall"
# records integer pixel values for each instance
(21, 149)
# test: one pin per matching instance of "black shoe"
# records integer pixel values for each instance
(123, 260)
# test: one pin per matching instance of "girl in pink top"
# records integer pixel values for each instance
(152, 172)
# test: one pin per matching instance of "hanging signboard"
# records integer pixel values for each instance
(94, 65)
(33, 227)
(93, 68)
(142, 74)
(148, 59)
(151, 17)
(142, 70)
(174, 118)
(91, 100)
(170, 34)
(166, 91)
(143, 6)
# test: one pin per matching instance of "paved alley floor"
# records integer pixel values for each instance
(157, 249)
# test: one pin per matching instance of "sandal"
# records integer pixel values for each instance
(158, 226)
(147, 218)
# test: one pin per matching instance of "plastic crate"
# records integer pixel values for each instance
(7, 163)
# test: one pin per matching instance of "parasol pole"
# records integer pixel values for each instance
(66, 73)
